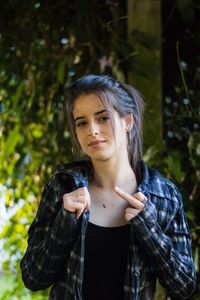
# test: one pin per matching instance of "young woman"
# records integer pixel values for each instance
(108, 226)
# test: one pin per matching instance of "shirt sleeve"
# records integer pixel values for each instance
(169, 249)
(51, 238)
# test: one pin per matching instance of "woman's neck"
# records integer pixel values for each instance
(108, 174)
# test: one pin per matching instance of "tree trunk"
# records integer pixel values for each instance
(144, 34)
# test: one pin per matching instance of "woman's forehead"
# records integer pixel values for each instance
(86, 103)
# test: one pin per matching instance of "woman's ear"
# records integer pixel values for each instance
(129, 121)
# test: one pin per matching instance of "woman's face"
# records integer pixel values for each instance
(95, 132)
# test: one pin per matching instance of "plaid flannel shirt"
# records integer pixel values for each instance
(160, 241)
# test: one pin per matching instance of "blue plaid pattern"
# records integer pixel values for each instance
(160, 241)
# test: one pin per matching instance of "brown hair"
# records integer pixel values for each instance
(122, 97)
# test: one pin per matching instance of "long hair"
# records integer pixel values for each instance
(123, 98)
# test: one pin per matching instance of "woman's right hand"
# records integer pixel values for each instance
(77, 201)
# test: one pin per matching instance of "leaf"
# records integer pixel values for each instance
(17, 95)
(61, 72)
(173, 162)
(150, 154)
(10, 143)
(37, 130)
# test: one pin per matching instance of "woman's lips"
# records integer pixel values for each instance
(96, 142)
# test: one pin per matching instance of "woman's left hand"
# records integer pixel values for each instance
(137, 202)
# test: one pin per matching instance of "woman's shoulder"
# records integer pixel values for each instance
(159, 185)
(71, 175)
(67, 177)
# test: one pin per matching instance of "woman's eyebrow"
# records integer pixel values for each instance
(96, 114)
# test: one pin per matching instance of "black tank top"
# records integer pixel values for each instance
(106, 252)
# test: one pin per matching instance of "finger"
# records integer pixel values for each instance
(134, 202)
(83, 192)
(131, 213)
(140, 196)
(123, 194)
(79, 213)
(67, 203)
(79, 192)
(78, 206)
(72, 206)
(68, 199)
(81, 199)
(128, 217)
(78, 200)
(87, 194)
(85, 200)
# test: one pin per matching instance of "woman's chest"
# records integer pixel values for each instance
(107, 209)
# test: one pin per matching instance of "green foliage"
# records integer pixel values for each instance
(181, 160)
(44, 46)
(11, 288)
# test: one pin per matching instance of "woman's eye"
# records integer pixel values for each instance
(81, 124)
(105, 118)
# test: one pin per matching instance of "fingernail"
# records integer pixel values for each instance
(116, 188)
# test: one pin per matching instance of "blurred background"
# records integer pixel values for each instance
(44, 46)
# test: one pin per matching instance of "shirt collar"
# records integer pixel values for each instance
(154, 183)
(77, 170)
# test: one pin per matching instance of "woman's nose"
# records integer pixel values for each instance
(93, 129)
